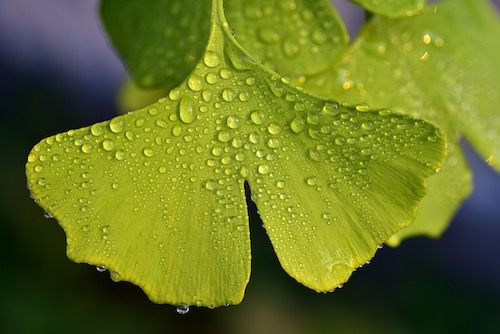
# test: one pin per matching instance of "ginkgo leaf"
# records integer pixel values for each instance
(442, 66)
(290, 37)
(393, 8)
(161, 41)
(157, 195)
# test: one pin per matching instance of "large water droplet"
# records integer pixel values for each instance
(211, 59)
(116, 125)
(264, 169)
(274, 129)
(148, 152)
(108, 145)
(195, 82)
(258, 117)
(186, 110)
(97, 129)
(233, 122)
(228, 94)
(298, 124)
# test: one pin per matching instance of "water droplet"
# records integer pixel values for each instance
(120, 155)
(258, 117)
(233, 122)
(298, 124)
(253, 137)
(86, 148)
(47, 215)
(159, 122)
(318, 36)
(367, 125)
(273, 142)
(108, 145)
(186, 110)
(250, 81)
(217, 151)
(330, 109)
(264, 169)
(274, 129)
(100, 269)
(280, 184)
(177, 130)
(312, 180)
(340, 141)
(116, 125)
(244, 171)
(97, 129)
(210, 185)
(244, 96)
(314, 155)
(148, 152)
(228, 94)
(195, 82)
(182, 309)
(224, 136)
(363, 107)
(225, 73)
(211, 59)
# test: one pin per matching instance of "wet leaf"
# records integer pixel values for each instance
(290, 37)
(157, 197)
(441, 66)
(392, 8)
(160, 42)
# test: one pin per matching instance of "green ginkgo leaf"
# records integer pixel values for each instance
(157, 196)
(441, 66)
(291, 37)
(393, 8)
(161, 41)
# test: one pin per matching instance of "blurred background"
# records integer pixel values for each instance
(58, 72)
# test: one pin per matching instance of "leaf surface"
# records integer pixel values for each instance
(289, 37)
(392, 8)
(160, 41)
(440, 66)
(157, 195)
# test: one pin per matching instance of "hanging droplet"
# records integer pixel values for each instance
(100, 269)
(182, 309)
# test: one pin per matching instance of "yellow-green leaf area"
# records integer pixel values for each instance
(160, 40)
(440, 65)
(157, 196)
(290, 37)
(392, 8)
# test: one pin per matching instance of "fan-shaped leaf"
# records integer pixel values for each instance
(157, 195)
